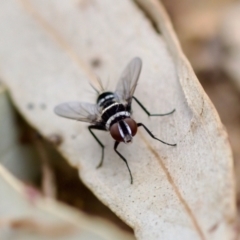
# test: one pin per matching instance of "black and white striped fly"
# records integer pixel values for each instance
(112, 111)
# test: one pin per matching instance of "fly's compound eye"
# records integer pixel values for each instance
(114, 131)
(124, 130)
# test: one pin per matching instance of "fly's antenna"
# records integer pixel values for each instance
(96, 90)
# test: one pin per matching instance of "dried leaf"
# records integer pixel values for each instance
(230, 39)
(25, 214)
(229, 35)
(197, 25)
(20, 159)
(50, 49)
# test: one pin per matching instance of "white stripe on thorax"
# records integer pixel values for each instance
(103, 99)
(105, 109)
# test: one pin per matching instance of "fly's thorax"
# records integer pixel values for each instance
(104, 98)
(110, 110)
(124, 130)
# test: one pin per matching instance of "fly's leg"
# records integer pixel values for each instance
(148, 113)
(148, 131)
(99, 142)
(123, 158)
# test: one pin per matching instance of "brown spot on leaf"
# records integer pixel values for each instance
(30, 106)
(43, 106)
(96, 62)
(213, 228)
(43, 228)
(55, 139)
(86, 3)
(32, 193)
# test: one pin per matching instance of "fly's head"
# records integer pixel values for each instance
(124, 130)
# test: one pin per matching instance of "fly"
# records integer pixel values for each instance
(112, 111)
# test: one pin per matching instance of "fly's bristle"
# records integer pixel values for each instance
(95, 89)
(108, 81)
(98, 86)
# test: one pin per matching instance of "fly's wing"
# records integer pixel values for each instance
(128, 81)
(81, 111)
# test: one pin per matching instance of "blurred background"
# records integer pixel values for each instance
(209, 32)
